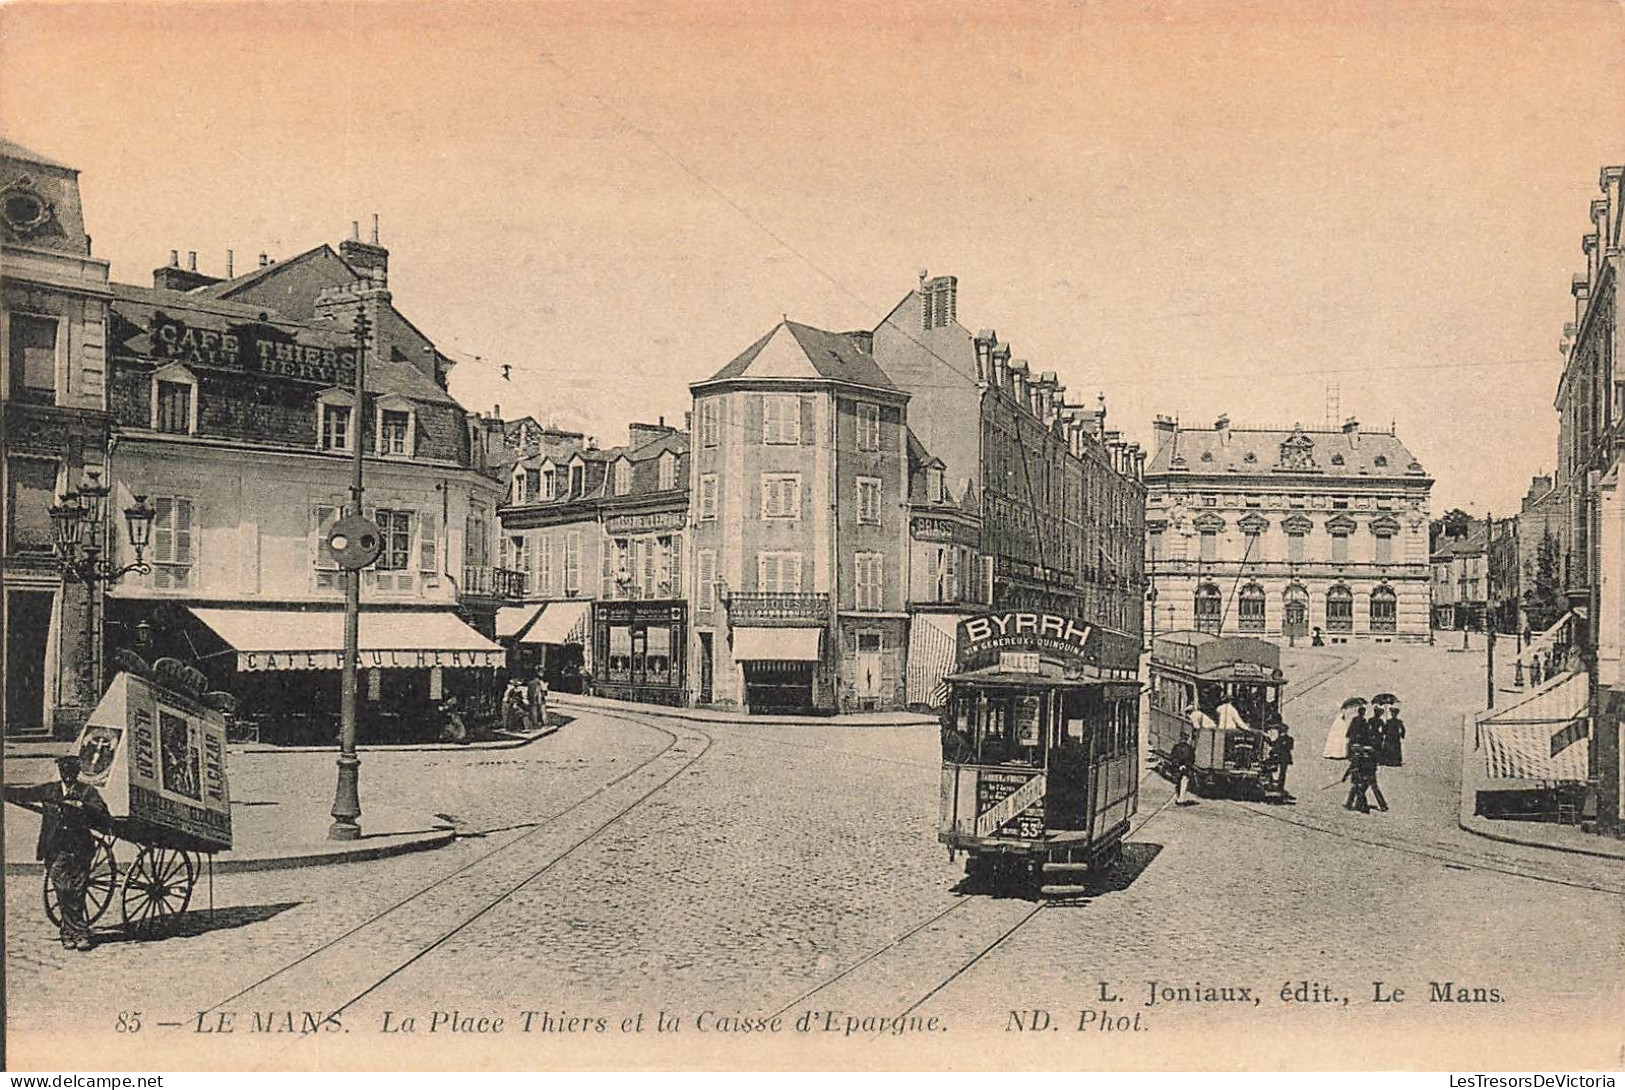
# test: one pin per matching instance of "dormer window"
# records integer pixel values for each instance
(623, 477)
(519, 494)
(396, 427)
(933, 485)
(174, 400)
(578, 478)
(668, 471)
(335, 420)
(549, 487)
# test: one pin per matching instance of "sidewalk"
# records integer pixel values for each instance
(716, 715)
(1528, 834)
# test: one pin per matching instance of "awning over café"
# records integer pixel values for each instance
(286, 639)
(776, 644)
(560, 623)
(512, 620)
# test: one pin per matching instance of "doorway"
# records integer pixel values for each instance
(868, 669)
(28, 624)
(705, 668)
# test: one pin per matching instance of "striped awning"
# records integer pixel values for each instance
(933, 644)
(1539, 753)
(560, 623)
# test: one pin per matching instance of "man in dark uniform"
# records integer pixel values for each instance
(69, 810)
(1281, 755)
(1359, 744)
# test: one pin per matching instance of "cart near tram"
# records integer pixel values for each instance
(1222, 693)
(1040, 742)
(155, 748)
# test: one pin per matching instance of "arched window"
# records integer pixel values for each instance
(1339, 609)
(1384, 610)
(1250, 608)
(1209, 608)
(1295, 621)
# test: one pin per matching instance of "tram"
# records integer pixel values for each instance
(1222, 693)
(1040, 743)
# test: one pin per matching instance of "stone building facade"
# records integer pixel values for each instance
(1278, 532)
(53, 333)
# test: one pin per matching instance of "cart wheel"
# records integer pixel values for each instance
(98, 890)
(157, 888)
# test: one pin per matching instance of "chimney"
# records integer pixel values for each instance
(688, 422)
(1351, 428)
(231, 260)
(639, 434)
(1609, 181)
(999, 376)
(985, 340)
(938, 301)
(1222, 426)
(1588, 246)
(863, 338)
(1581, 287)
(368, 259)
(1163, 427)
(174, 278)
(496, 412)
(264, 260)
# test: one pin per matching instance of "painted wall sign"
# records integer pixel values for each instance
(251, 347)
(636, 524)
(943, 530)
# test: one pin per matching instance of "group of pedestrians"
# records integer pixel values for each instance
(524, 705)
(1367, 743)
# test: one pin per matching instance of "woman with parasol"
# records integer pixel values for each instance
(1391, 742)
(1337, 740)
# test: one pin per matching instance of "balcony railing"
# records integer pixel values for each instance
(484, 582)
(763, 607)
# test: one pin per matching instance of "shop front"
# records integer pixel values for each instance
(556, 643)
(417, 667)
(639, 648)
(780, 667)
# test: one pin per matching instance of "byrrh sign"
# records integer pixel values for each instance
(1022, 631)
(260, 347)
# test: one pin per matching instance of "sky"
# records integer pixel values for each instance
(1195, 208)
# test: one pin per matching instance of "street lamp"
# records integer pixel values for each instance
(346, 812)
(76, 524)
(1151, 598)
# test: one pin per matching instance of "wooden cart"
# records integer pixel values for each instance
(155, 748)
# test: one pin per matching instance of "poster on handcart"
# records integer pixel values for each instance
(159, 757)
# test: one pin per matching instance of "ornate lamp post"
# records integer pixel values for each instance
(77, 526)
(346, 810)
(1151, 599)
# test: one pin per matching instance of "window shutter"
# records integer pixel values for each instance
(707, 578)
(807, 420)
(163, 529)
(429, 550)
(675, 559)
(756, 418)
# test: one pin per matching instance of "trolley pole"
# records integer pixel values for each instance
(1489, 610)
(347, 794)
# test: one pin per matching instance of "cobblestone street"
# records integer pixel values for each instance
(631, 865)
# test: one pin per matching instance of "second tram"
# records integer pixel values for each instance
(1222, 693)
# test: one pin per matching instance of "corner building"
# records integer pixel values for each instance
(1277, 532)
(798, 518)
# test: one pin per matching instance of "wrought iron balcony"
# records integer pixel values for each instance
(768, 608)
(485, 582)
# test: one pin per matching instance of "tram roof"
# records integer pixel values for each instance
(1049, 676)
(1220, 657)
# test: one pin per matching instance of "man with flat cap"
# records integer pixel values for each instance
(69, 810)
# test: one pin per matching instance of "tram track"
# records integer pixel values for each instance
(349, 967)
(869, 976)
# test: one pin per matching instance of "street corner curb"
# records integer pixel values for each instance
(354, 852)
(259, 748)
(740, 719)
(1473, 826)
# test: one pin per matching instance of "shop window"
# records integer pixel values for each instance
(620, 653)
(869, 500)
(657, 661)
(174, 553)
(869, 427)
(32, 359)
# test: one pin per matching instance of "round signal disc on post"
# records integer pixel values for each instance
(355, 542)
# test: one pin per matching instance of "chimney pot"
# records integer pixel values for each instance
(375, 228)
(191, 260)
(230, 260)
(264, 260)
(174, 259)
(496, 411)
